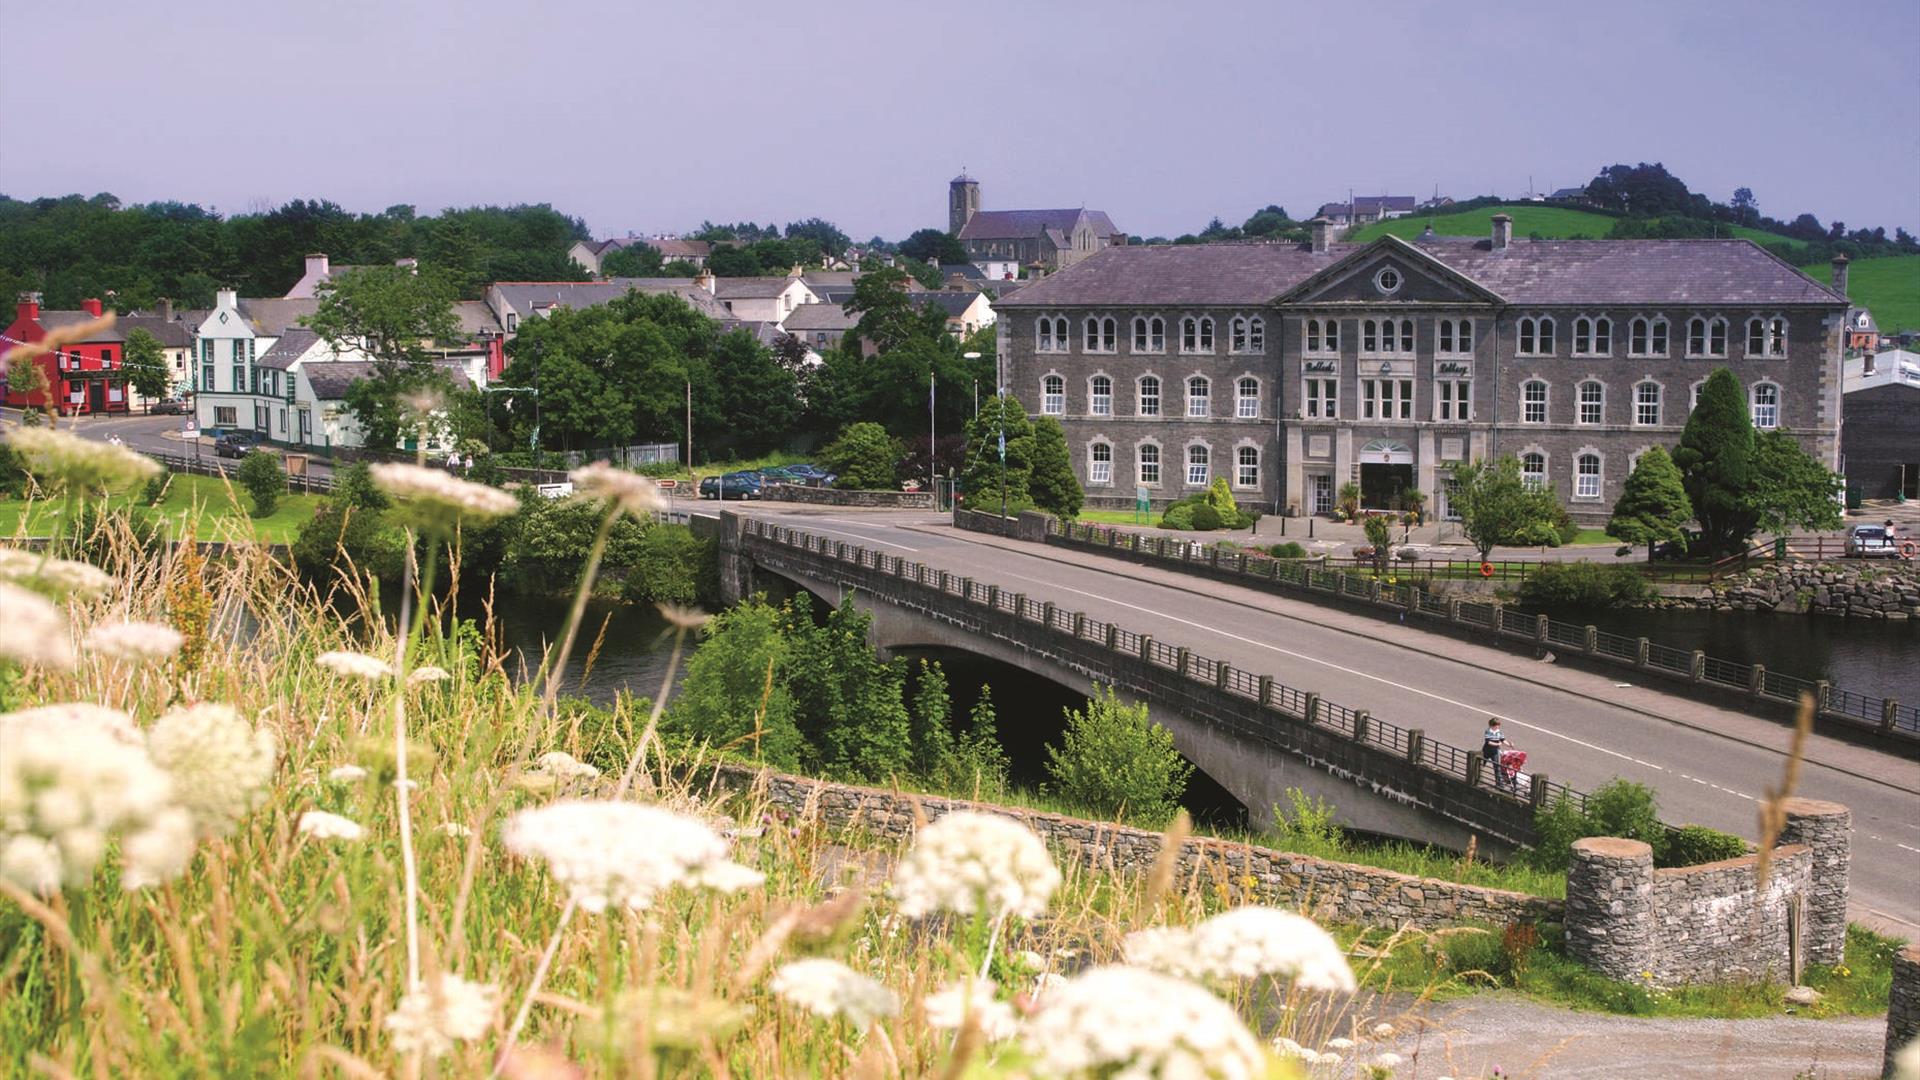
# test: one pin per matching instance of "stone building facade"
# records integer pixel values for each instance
(1036, 241)
(1295, 369)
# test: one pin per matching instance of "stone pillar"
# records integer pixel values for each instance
(1609, 921)
(1826, 828)
(1903, 1005)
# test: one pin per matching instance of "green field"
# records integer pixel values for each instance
(214, 511)
(1889, 286)
(1552, 222)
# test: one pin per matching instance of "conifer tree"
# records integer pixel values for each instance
(1653, 505)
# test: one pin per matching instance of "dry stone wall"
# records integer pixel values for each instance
(1859, 590)
(1903, 1004)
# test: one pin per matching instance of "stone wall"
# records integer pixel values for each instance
(1875, 589)
(896, 500)
(1028, 525)
(1903, 1005)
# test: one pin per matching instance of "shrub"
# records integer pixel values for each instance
(153, 491)
(1289, 550)
(1178, 516)
(1306, 825)
(265, 481)
(864, 457)
(673, 566)
(1584, 584)
(1617, 808)
(1691, 845)
(1206, 518)
(553, 539)
(1114, 760)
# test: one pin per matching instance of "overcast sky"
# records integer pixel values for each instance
(637, 115)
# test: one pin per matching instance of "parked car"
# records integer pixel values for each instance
(172, 406)
(237, 444)
(733, 485)
(1871, 542)
(811, 475)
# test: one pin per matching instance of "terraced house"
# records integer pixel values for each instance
(1294, 369)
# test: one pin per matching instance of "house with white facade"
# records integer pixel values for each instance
(233, 392)
(763, 299)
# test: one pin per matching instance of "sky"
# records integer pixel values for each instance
(644, 116)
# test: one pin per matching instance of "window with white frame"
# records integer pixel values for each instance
(1766, 337)
(1766, 405)
(1196, 334)
(1199, 465)
(1592, 336)
(1100, 463)
(226, 415)
(1453, 337)
(1199, 393)
(1246, 399)
(1149, 395)
(1149, 334)
(1536, 336)
(1322, 337)
(1533, 469)
(1247, 467)
(1647, 336)
(1386, 336)
(1249, 334)
(1706, 337)
(1386, 399)
(1322, 398)
(1593, 402)
(1453, 399)
(1147, 464)
(1050, 334)
(1100, 395)
(1776, 336)
(1406, 335)
(1586, 476)
(1103, 335)
(1533, 402)
(1053, 395)
(1646, 404)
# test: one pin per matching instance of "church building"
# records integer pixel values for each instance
(1024, 243)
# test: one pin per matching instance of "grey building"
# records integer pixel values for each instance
(1040, 241)
(1880, 437)
(1294, 369)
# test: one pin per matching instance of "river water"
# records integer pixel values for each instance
(633, 653)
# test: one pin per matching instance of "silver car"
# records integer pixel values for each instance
(1871, 542)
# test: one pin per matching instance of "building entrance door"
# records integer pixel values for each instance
(96, 395)
(1322, 493)
(1382, 485)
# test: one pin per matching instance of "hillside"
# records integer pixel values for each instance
(1550, 222)
(1889, 287)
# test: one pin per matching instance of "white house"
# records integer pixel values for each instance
(233, 392)
(763, 299)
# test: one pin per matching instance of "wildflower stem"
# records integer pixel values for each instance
(653, 718)
(533, 988)
(409, 866)
(993, 938)
(556, 668)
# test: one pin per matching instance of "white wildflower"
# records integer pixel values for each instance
(354, 665)
(220, 763)
(949, 1007)
(1165, 949)
(134, 642)
(619, 853)
(34, 632)
(829, 988)
(1383, 1031)
(1047, 981)
(436, 501)
(33, 863)
(427, 673)
(968, 861)
(62, 577)
(434, 1016)
(630, 492)
(564, 766)
(346, 774)
(1252, 941)
(454, 829)
(1906, 1063)
(1342, 1044)
(74, 713)
(324, 826)
(1329, 1061)
(1123, 1021)
(59, 455)
(1028, 961)
(1387, 1061)
(160, 852)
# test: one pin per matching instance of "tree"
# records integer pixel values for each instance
(888, 316)
(736, 695)
(146, 366)
(759, 396)
(1112, 759)
(1653, 506)
(932, 719)
(977, 765)
(824, 236)
(1790, 489)
(1053, 486)
(1001, 417)
(849, 704)
(391, 313)
(933, 245)
(26, 378)
(1715, 458)
(1498, 508)
(261, 475)
(1745, 206)
(634, 260)
(864, 457)
(1380, 535)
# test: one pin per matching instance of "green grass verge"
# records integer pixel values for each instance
(1889, 287)
(1118, 517)
(204, 505)
(1552, 222)
(1594, 536)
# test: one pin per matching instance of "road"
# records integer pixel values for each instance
(1708, 764)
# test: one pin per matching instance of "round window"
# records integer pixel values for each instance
(1387, 280)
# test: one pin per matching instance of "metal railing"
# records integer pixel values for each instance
(214, 466)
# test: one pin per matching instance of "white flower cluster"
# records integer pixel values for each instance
(1127, 1022)
(949, 1007)
(134, 642)
(620, 853)
(438, 500)
(81, 463)
(59, 576)
(354, 665)
(1246, 943)
(630, 492)
(829, 988)
(428, 673)
(435, 1016)
(346, 774)
(969, 861)
(564, 766)
(220, 763)
(34, 632)
(324, 826)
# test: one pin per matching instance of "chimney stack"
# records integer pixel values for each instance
(163, 307)
(1502, 231)
(1840, 274)
(28, 309)
(227, 298)
(1322, 235)
(91, 305)
(705, 280)
(317, 266)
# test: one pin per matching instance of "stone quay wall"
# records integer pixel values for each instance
(1903, 1005)
(1877, 589)
(894, 500)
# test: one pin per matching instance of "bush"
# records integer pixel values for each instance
(1306, 825)
(154, 489)
(673, 566)
(1691, 845)
(1289, 550)
(553, 539)
(1617, 808)
(1178, 516)
(864, 458)
(1206, 518)
(261, 474)
(1584, 584)
(1114, 760)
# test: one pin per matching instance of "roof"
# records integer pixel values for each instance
(271, 318)
(1021, 224)
(51, 320)
(1896, 367)
(174, 333)
(751, 288)
(819, 317)
(331, 378)
(1569, 193)
(524, 296)
(1861, 320)
(1369, 204)
(953, 302)
(764, 332)
(816, 278)
(966, 270)
(671, 248)
(1549, 272)
(290, 346)
(475, 318)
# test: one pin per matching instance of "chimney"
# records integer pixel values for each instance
(1840, 274)
(1502, 231)
(317, 266)
(163, 307)
(28, 309)
(1322, 232)
(227, 298)
(705, 280)
(91, 305)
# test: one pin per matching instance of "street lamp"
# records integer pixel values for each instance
(1003, 453)
(933, 474)
(976, 383)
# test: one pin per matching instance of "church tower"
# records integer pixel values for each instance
(963, 200)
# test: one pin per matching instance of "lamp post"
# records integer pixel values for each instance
(933, 442)
(1003, 453)
(976, 383)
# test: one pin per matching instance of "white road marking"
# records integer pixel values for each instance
(863, 536)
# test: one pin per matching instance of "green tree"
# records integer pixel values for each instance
(888, 315)
(1380, 535)
(347, 534)
(977, 766)
(673, 566)
(933, 740)
(1790, 489)
(937, 245)
(553, 537)
(25, 377)
(634, 260)
(1498, 508)
(759, 398)
(1114, 760)
(261, 475)
(392, 314)
(735, 695)
(864, 458)
(1053, 485)
(146, 366)
(850, 705)
(981, 479)
(1653, 506)
(822, 238)
(1715, 458)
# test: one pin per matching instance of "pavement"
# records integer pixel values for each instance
(1708, 764)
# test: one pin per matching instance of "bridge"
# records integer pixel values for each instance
(1374, 685)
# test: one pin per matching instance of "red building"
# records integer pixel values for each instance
(82, 376)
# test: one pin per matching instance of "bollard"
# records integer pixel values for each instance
(1475, 766)
(1266, 684)
(1213, 557)
(1313, 709)
(1821, 690)
(1641, 650)
(1697, 668)
(1360, 721)
(1146, 649)
(1221, 671)
(1416, 744)
(1499, 617)
(1757, 680)
(1889, 712)
(1453, 609)
(1592, 644)
(1540, 626)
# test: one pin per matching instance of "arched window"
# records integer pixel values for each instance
(1706, 337)
(1756, 337)
(1149, 395)
(1406, 335)
(1582, 336)
(1196, 334)
(1536, 336)
(1100, 395)
(1603, 336)
(1646, 404)
(1323, 336)
(1369, 336)
(1593, 402)
(1647, 337)
(1533, 469)
(1586, 476)
(1100, 463)
(1147, 464)
(1776, 337)
(1199, 465)
(1766, 405)
(1249, 334)
(1149, 334)
(1766, 337)
(1101, 334)
(1053, 395)
(1247, 467)
(1533, 402)
(1199, 391)
(1246, 399)
(1453, 336)
(1050, 334)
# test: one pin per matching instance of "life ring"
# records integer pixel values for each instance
(1907, 550)
(1486, 569)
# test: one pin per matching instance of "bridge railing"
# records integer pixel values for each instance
(1409, 600)
(1286, 710)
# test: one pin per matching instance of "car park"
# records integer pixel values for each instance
(734, 485)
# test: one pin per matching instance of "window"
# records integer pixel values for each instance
(1646, 404)
(1050, 334)
(1593, 402)
(1536, 337)
(1100, 395)
(1249, 334)
(259, 418)
(1533, 469)
(1100, 463)
(1766, 405)
(1246, 399)
(1247, 471)
(1766, 337)
(1592, 337)
(1149, 334)
(1322, 493)
(206, 376)
(225, 415)
(1369, 336)
(1454, 399)
(206, 350)
(1149, 395)
(1323, 399)
(1323, 336)
(239, 379)
(1147, 457)
(1586, 476)
(1453, 336)
(1533, 402)
(1102, 335)
(1776, 337)
(1406, 335)
(1647, 337)
(1198, 392)
(1706, 337)
(1756, 337)
(1197, 466)
(1386, 399)
(513, 322)
(1386, 336)
(1196, 334)
(1387, 280)
(1053, 395)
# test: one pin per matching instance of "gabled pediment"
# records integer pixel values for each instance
(1389, 271)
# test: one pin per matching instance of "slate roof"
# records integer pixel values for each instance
(524, 296)
(1238, 274)
(1860, 320)
(1021, 224)
(751, 288)
(954, 303)
(174, 333)
(819, 317)
(331, 378)
(680, 249)
(966, 270)
(52, 320)
(475, 318)
(273, 317)
(1368, 204)
(291, 346)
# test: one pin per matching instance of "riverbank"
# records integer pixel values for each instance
(1887, 590)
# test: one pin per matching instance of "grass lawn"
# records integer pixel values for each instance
(214, 512)
(1118, 517)
(1889, 286)
(1595, 536)
(1552, 222)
